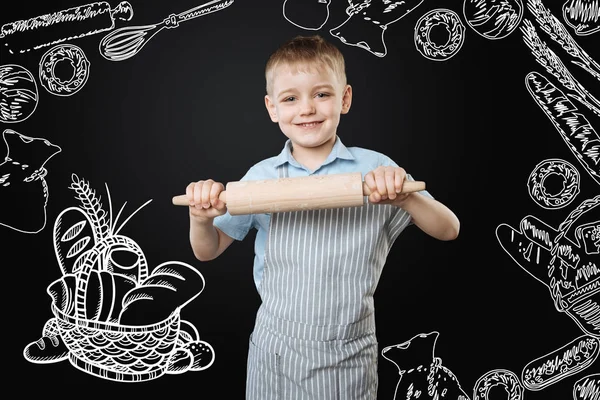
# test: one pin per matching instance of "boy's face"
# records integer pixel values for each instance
(307, 102)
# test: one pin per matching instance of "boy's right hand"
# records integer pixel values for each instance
(203, 197)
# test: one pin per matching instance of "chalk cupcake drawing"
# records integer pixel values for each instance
(23, 189)
(582, 15)
(113, 317)
(309, 15)
(493, 19)
(18, 93)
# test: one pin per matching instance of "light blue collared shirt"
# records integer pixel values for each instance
(342, 159)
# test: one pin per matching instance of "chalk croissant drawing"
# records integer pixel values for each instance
(587, 388)
(493, 19)
(23, 189)
(64, 85)
(498, 378)
(553, 184)
(368, 21)
(428, 46)
(18, 93)
(583, 16)
(310, 15)
(113, 317)
(48, 29)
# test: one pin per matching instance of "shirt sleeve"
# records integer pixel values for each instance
(235, 226)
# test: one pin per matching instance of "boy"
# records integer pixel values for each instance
(315, 271)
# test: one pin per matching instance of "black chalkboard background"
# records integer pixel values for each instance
(190, 106)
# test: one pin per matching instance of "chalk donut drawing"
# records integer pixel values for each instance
(439, 18)
(310, 15)
(422, 375)
(583, 16)
(542, 183)
(559, 364)
(587, 388)
(23, 189)
(113, 318)
(124, 43)
(368, 20)
(493, 19)
(76, 60)
(498, 378)
(72, 23)
(18, 93)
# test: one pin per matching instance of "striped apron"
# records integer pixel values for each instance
(314, 336)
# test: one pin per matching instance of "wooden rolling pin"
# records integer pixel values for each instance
(297, 194)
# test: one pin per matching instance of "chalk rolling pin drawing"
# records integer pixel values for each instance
(72, 23)
(297, 194)
(124, 43)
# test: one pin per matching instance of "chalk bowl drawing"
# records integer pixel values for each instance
(587, 388)
(64, 70)
(553, 184)
(422, 375)
(498, 383)
(439, 34)
(583, 16)
(368, 21)
(124, 43)
(23, 189)
(493, 19)
(49, 29)
(310, 15)
(18, 93)
(113, 318)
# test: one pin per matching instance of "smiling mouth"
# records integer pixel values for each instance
(309, 124)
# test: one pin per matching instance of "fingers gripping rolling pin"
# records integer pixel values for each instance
(297, 194)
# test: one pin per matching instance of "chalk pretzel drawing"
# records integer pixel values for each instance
(309, 15)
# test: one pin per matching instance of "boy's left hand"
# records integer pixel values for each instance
(385, 184)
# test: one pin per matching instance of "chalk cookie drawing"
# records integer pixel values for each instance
(18, 93)
(559, 364)
(368, 20)
(565, 260)
(582, 15)
(113, 318)
(422, 375)
(78, 70)
(72, 23)
(124, 43)
(23, 189)
(493, 19)
(587, 388)
(435, 20)
(498, 378)
(553, 183)
(310, 15)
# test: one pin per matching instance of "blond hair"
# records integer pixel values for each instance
(306, 50)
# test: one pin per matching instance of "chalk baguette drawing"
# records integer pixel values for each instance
(422, 375)
(498, 378)
(546, 176)
(368, 21)
(73, 23)
(124, 43)
(113, 317)
(573, 126)
(427, 46)
(493, 19)
(587, 388)
(23, 190)
(309, 15)
(64, 85)
(18, 93)
(583, 16)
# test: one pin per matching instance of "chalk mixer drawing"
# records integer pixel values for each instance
(493, 19)
(498, 378)
(18, 93)
(113, 317)
(309, 15)
(422, 375)
(77, 67)
(23, 189)
(49, 29)
(583, 16)
(123, 43)
(440, 23)
(553, 184)
(368, 21)
(587, 388)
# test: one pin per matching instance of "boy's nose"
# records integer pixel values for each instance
(307, 107)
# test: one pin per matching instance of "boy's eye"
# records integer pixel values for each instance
(321, 95)
(290, 98)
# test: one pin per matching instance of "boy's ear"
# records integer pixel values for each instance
(271, 109)
(347, 99)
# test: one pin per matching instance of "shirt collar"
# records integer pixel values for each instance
(337, 151)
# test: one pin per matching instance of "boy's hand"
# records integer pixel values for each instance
(385, 184)
(203, 197)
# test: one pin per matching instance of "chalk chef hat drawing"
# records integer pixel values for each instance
(113, 317)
